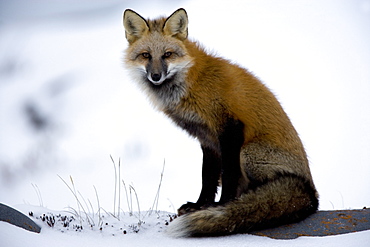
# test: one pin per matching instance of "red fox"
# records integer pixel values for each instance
(249, 145)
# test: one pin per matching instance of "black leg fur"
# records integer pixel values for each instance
(210, 175)
(231, 141)
(226, 165)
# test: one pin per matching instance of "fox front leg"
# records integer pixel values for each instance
(224, 163)
(210, 179)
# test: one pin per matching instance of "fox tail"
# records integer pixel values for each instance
(284, 200)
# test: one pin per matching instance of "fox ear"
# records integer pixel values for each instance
(135, 25)
(177, 24)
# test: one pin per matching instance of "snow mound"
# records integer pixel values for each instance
(102, 223)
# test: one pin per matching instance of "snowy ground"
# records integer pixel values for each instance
(66, 105)
(151, 232)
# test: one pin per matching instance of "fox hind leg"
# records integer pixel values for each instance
(231, 141)
(286, 199)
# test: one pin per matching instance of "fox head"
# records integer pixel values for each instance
(156, 54)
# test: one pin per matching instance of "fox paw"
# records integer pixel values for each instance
(192, 207)
(188, 208)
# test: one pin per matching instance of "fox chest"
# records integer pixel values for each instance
(196, 127)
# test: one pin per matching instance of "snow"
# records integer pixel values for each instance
(66, 105)
(151, 233)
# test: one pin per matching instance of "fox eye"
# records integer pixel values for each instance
(167, 54)
(146, 54)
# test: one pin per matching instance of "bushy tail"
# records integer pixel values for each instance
(286, 199)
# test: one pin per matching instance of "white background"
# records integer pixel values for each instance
(64, 60)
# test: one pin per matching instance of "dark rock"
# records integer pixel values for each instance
(322, 223)
(16, 218)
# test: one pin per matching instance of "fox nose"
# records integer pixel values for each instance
(156, 77)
